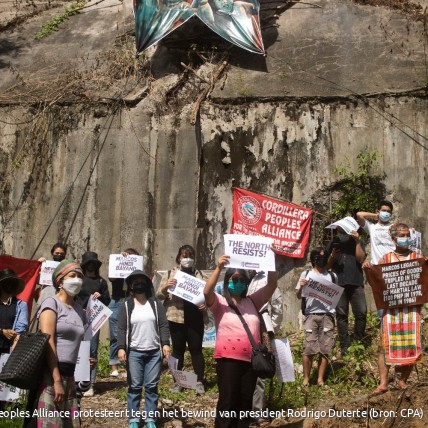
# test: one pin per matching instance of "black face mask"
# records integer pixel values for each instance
(58, 258)
(140, 289)
(321, 261)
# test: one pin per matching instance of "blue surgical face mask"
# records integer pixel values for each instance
(384, 216)
(404, 242)
(343, 237)
(237, 287)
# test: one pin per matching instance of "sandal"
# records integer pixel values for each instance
(378, 391)
(262, 422)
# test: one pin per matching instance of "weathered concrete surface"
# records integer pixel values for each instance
(160, 183)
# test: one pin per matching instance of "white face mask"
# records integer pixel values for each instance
(187, 263)
(72, 286)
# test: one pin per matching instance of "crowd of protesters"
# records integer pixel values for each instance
(145, 323)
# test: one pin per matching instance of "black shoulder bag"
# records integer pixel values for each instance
(262, 361)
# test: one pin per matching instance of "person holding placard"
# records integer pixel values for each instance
(94, 287)
(62, 317)
(346, 256)
(404, 321)
(186, 320)
(235, 377)
(142, 338)
(118, 295)
(58, 252)
(13, 312)
(319, 319)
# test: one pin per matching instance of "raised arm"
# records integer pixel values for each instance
(212, 280)
(362, 216)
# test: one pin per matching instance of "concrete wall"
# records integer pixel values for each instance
(142, 176)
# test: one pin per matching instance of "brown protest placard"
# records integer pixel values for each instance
(399, 284)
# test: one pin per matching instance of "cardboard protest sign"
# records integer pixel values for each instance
(287, 224)
(399, 284)
(121, 266)
(7, 392)
(46, 272)
(82, 372)
(348, 224)
(284, 360)
(184, 379)
(249, 252)
(189, 288)
(96, 314)
(322, 289)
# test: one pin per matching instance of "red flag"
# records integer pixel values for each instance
(27, 270)
(288, 224)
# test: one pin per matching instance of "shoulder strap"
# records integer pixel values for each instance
(333, 277)
(250, 336)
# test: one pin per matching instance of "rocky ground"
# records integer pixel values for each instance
(334, 407)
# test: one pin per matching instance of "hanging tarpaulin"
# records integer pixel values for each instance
(288, 224)
(236, 21)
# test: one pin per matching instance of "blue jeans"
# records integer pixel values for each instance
(94, 354)
(114, 306)
(144, 369)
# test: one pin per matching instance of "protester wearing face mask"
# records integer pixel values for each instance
(186, 321)
(142, 338)
(62, 318)
(94, 287)
(58, 252)
(380, 238)
(346, 256)
(319, 320)
(403, 332)
(235, 377)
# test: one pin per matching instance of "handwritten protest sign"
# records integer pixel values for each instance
(322, 289)
(121, 266)
(96, 314)
(284, 360)
(184, 379)
(189, 288)
(287, 224)
(7, 392)
(348, 224)
(46, 272)
(249, 252)
(82, 372)
(399, 284)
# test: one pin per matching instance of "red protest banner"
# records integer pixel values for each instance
(399, 284)
(25, 269)
(288, 224)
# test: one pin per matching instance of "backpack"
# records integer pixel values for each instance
(333, 280)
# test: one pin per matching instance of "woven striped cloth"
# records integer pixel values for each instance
(401, 335)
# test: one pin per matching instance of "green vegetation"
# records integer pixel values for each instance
(360, 189)
(54, 23)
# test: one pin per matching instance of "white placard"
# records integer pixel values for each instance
(7, 392)
(82, 372)
(416, 238)
(249, 252)
(208, 340)
(96, 315)
(46, 271)
(284, 360)
(120, 266)
(185, 379)
(322, 289)
(348, 224)
(188, 288)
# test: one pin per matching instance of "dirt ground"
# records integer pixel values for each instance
(396, 408)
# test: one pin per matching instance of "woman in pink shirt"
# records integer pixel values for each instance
(236, 380)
